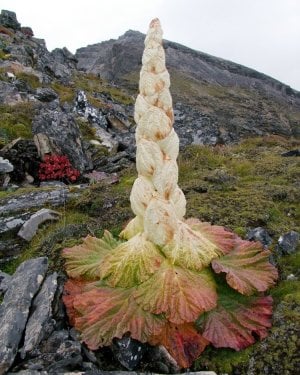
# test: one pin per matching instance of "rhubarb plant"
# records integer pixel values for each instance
(167, 280)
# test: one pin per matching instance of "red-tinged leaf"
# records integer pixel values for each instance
(131, 263)
(247, 268)
(181, 294)
(236, 319)
(183, 342)
(106, 313)
(222, 238)
(72, 288)
(84, 260)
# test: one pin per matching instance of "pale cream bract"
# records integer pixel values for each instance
(155, 198)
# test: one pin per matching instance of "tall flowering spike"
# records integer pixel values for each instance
(156, 197)
(154, 284)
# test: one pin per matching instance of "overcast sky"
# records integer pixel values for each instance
(261, 34)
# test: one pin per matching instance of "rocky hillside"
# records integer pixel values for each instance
(220, 100)
(55, 105)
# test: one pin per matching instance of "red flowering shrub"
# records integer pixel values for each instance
(57, 167)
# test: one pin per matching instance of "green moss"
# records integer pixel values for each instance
(15, 122)
(31, 79)
(65, 93)
(86, 130)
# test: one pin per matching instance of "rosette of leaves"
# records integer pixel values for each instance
(179, 283)
(56, 167)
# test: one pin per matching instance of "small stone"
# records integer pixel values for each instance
(259, 234)
(5, 166)
(30, 227)
(128, 352)
(287, 243)
(292, 277)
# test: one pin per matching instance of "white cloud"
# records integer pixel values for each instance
(261, 34)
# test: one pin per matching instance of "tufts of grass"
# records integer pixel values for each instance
(15, 122)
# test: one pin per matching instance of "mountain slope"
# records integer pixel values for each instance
(222, 101)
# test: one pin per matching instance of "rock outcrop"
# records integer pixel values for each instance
(210, 92)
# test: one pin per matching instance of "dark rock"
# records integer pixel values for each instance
(64, 136)
(291, 153)
(287, 243)
(5, 279)
(22, 153)
(45, 94)
(259, 234)
(128, 352)
(157, 359)
(41, 316)
(5, 166)
(60, 354)
(9, 19)
(15, 307)
(30, 227)
(9, 250)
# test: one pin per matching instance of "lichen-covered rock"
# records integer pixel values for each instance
(41, 315)
(15, 307)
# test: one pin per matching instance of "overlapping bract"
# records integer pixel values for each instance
(160, 280)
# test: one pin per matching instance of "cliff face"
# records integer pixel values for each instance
(211, 94)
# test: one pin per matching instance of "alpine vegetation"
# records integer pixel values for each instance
(167, 280)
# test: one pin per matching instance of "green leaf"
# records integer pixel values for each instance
(247, 268)
(195, 248)
(183, 342)
(105, 313)
(84, 260)
(131, 263)
(181, 294)
(236, 320)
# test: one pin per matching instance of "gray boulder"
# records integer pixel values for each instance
(64, 136)
(14, 309)
(9, 19)
(45, 94)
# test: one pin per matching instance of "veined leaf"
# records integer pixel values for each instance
(235, 320)
(72, 288)
(84, 260)
(223, 239)
(131, 263)
(183, 342)
(247, 268)
(190, 248)
(181, 294)
(135, 226)
(106, 313)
